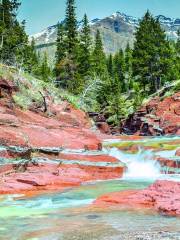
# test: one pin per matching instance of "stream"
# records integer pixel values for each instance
(68, 215)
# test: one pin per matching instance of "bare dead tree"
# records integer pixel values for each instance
(90, 87)
(44, 102)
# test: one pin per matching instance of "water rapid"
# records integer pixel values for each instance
(140, 166)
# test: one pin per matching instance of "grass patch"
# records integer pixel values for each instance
(30, 88)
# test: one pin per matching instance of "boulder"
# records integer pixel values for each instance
(103, 127)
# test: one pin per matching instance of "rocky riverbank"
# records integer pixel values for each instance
(157, 117)
(48, 150)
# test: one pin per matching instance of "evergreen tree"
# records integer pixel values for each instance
(45, 70)
(119, 70)
(13, 39)
(35, 59)
(67, 68)
(85, 49)
(110, 65)
(60, 48)
(71, 40)
(177, 55)
(99, 58)
(151, 53)
(128, 67)
(178, 43)
(30, 58)
(128, 58)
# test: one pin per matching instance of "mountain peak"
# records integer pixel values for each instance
(117, 29)
(127, 18)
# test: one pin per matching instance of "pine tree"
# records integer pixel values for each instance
(45, 70)
(119, 70)
(13, 38)
(177, 56)
(30, 58)
(60, 48)
(85, 49)
(34, 59)
(99, 58)
(110, 65)
(128, 67)
(71, 29)
(151, 53)
(178, 43)
(67, 74)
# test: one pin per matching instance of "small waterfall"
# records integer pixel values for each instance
(139, 166)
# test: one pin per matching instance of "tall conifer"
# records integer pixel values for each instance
(67, 74)
(71, 29)
(45, 70)
(99, 58)
(60, 48)
(85, 48)
(13, 38)
(110, 65)
(151, 53)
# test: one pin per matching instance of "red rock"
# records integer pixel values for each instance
(152, 105)
(12, 136)
(103, 173)
(79, 157)
(32, 129)
(6, 168)
(7, 86)
(66, 113)
(90, 158)
(175, 108)
(52, 177)
(156, 117)
(9, 120)
(162, 196)
(165, 162)
(178, 152)
(178, 132)
(104, 127)
(68, 118)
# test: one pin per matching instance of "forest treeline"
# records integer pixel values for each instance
(113, 84)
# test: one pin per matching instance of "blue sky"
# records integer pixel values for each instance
(42, 13)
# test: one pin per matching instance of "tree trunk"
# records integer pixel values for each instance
(44, 102)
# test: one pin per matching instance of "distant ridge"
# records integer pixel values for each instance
(117, 30)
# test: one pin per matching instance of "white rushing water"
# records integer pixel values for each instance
(142, 165)
(139, 166)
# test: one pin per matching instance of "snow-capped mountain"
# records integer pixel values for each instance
(116, 30)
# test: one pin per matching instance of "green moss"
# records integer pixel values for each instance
(159, 145)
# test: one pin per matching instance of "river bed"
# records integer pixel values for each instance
(69, 216)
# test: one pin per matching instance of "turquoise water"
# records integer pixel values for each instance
(69, 215)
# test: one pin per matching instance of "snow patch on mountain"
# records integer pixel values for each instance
(171, 25)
